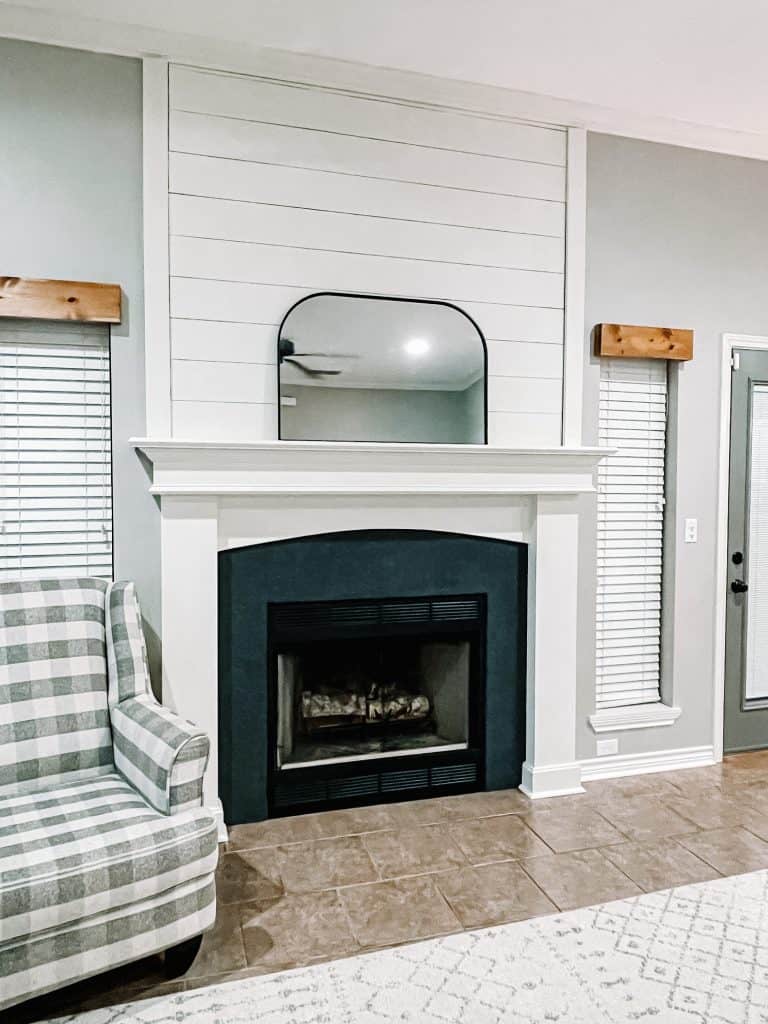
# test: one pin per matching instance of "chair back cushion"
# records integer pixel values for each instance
(53, 680)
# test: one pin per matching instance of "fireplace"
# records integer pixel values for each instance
(235, 518)
(369, 666)
(375, 697)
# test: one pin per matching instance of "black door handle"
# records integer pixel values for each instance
(739, 586)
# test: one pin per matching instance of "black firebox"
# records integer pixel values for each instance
(369, 666)
(375, 699)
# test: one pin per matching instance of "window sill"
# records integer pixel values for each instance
(639, 716)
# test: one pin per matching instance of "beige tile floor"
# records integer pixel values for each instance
(294, 891)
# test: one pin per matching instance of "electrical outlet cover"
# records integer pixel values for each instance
(606, 747)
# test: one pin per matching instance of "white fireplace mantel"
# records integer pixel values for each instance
(320, 467)
(217, 495)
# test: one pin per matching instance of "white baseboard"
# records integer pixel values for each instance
(551, 780)
(618, 765)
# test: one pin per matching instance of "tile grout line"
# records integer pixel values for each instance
(541, 888)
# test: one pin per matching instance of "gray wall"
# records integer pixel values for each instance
(679, 238)
(71, 207)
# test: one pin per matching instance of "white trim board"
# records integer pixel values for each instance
(575, 285)
(102, 36)
(618, 765)
(157, 310)
(730, 342)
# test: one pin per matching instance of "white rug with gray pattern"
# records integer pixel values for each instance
(697, 954)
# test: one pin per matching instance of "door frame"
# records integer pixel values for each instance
(730, 342)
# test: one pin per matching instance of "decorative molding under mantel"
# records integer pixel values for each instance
(199, 468)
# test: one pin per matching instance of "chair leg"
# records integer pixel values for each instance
(178, 959)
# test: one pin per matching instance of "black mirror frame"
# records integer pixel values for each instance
(387, 298)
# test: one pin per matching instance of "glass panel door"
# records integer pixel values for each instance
(746, 634)
(756, 656)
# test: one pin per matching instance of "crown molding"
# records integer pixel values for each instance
(102, 36)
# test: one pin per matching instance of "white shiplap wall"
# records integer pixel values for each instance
(278, 190)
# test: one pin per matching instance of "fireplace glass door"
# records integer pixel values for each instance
(340, 700)
(367, 686)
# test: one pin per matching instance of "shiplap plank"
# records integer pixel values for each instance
(224, 421)
(208, 340)
(524, 429)
(225, 342)
(255, 99)
(321, 271)
(219, 381)
(221, 421)
(235, 302)
(524, 359)
(212, 381)
(299, 147)
(227, 220)
(501, 322)
(524, 395)
(221, 178)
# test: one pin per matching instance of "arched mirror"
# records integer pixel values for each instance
(366, 368)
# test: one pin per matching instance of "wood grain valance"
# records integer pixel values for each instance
(622, 341)
(41, 299)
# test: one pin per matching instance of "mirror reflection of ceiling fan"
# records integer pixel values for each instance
(287, 354)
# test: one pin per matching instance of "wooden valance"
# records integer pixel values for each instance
(41, 299)
(620, 340)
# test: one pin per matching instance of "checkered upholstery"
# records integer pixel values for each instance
(53, 680)
(106, 854)
(128, 668)
(163, 756)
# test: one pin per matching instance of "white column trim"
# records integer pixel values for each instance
(157, 325)
(575, 270)
(730, 342)
(189, 581)
(550, 767)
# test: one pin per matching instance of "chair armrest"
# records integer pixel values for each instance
(162, 755)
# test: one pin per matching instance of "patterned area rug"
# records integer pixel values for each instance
(693, 955)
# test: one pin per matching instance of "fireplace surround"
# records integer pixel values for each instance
(217, 496)
(348, 660)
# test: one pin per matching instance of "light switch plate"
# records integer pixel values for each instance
(606, 747)
(691, 531)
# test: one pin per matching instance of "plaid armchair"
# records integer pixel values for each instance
(106, 854)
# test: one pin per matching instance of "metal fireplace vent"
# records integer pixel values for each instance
(307, 617)
(383, 785)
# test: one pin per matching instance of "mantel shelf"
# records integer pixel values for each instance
(316, 467)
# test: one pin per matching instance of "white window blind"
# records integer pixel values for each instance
(633, 419)
(55, 450)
